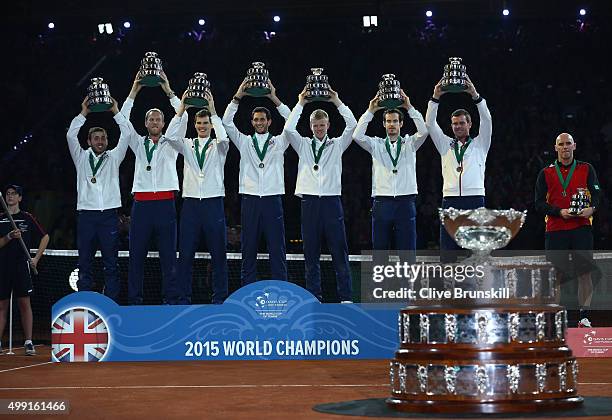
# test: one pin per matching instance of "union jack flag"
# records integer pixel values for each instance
(79, 335)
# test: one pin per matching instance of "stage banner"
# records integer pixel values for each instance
(266, 320)
(590, 342)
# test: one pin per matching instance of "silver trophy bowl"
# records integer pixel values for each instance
(98, 96)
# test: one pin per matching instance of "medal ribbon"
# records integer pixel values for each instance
(261, 153)
(201, 156)
(459, 153)
(94, 168)
(315, 154)
(565, 182)
(149, 151)
(397, 151)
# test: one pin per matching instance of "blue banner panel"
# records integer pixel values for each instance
(266, 320)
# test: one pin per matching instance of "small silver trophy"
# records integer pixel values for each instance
(150, 70)
(98, 96)
(580, 201)
(258, 82)
(196, 91)
(389, 95)
(317, 85)
(454, 78)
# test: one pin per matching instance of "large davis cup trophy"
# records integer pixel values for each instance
(150, 70)
(257, 80)
(580, 201)
(196, 91)
(454, 78)
(98, 96)
(389, 95)
(486, 353)
(317, 85)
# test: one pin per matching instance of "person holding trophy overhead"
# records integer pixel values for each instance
(155, 181)
(319, 185)
(98, 197)
(567, 192)
(463, 157)
(203, 211)
(261, 179)
(394, 183)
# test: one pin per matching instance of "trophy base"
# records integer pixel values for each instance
(99, 107)
(151, 81)
(318, 98)
(197, 102)
(390, 103)
(256, 91)
(454, 88)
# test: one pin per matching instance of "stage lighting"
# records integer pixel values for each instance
(109, 28)
(101, 28)
(276, 18)
(429, 13)
(505, 12)
(201, 22)
(51, 25)
(127, 25)
(582, 12)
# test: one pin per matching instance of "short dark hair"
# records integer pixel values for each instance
(460, 112)
(264, 110)
(393, 111)
(95, 129)
(204, 112)
(18, 189)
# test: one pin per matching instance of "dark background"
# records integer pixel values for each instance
(543, 70)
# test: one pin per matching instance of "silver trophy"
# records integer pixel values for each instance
(487, 355)
(150, 70)
(455, 76)
(257, 80)
(98, 96)
(580, 201)
(389, 95)
(317, 85)
(196, 91)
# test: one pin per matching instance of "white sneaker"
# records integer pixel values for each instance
(29, 349)
(584, 323)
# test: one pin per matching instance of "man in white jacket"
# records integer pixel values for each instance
(153, 210)
(261, 185)
(463, 159)
(98, 198)
(394, 183)
(203, 213)
(319, 185)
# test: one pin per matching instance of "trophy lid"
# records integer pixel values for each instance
(455, 60)
(96, 80)
(388, 76)
(258, 64)
(317, 71)
(150, 54)
(197, 74)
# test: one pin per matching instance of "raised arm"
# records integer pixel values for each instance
(486, 123)
(228, 117)
(127, 132)
(421, 135)
(349, 120)
(362, 125)
(441, 140)
(73, 132)
(290, 129)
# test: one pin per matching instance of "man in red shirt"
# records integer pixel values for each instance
(565, 230)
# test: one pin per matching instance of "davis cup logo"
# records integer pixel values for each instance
(79, 335)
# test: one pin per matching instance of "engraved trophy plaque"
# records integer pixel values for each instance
(580, 201)
(196, 91)
(317, 85)
(488, 356)
(257, 80)
(150, 70)
(389, 95)
(98, 96)
(454, 78)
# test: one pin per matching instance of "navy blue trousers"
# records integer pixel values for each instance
(152, 219)
(323, 217)
(446, 242)
(99, 229)
(262, 216)
(394, 217)
(205, 218)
